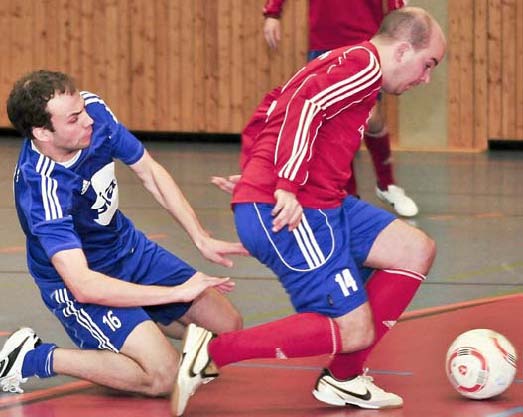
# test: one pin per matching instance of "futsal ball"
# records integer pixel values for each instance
(481, 363)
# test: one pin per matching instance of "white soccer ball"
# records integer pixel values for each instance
(481, 363)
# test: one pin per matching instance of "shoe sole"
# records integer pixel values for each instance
(192, 335)
(175, 399)
(337, 401)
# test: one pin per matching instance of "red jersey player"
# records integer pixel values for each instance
(293, 214)
(336, 23)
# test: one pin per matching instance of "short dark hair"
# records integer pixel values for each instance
(410, 24)
(27, 102)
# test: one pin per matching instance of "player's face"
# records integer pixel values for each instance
(72, 125)
(416, 67)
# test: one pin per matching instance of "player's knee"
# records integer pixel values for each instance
(427, 253)
(358, 336)
(423, 254)
(160, 381)
(234, 322)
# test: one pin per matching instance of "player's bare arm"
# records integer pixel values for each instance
(165, 190)
(89, 286)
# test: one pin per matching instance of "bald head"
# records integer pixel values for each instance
(410, 44)
(410, 24)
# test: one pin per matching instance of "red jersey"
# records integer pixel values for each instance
(304, 135)
(336, 23)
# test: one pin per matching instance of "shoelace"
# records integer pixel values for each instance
(12, 384)
(368, 380)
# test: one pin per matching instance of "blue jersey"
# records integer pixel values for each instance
(75, 204)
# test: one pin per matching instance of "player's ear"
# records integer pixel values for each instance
(403, 51)
(41, 133)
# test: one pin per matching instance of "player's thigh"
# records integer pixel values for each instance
(161, 267)
(147, 345)
(402, 246)
(312, 262)
(93, 326)
(364, 223)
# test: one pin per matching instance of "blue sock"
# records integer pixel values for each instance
(39, 361)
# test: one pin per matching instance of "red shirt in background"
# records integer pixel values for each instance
(336, 23)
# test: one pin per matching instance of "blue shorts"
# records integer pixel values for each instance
(92, 326)
(320, 264)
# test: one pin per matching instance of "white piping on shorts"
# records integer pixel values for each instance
(83, 320)
(307, 243)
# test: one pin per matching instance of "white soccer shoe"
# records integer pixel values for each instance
(12, 358)
(401, 202)
(195, 367)
(359, 391)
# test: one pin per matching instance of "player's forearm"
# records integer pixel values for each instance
(88, 286)
(169, 195)
(97, 288)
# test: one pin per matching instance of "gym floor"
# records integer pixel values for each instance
(470, 203)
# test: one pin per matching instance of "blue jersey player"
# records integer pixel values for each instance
(116, 293)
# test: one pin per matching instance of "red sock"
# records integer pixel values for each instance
(299, 335)
(390, 292)
(379, 149)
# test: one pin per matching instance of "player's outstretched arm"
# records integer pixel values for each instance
(162, 186)
(88, 286)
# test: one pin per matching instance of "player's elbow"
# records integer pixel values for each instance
(82, 295)
(84, 292)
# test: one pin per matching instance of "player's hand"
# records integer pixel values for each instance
(216, 250)
(199, 282)
(226, 184)
(286, 212)
(272, 31)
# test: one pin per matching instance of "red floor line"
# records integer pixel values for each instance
(12, 249)
(409, 315)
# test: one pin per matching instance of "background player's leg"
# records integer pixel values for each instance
(377, 141)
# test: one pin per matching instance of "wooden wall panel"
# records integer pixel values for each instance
(174, 63)
(203, 65)
(462, 86)
(508, 58)
(494, 69)
(519, 67)
(485, 66)
(480, 82)
(166, 65)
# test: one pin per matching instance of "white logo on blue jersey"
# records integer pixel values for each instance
(106, 187)
(85, 186)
